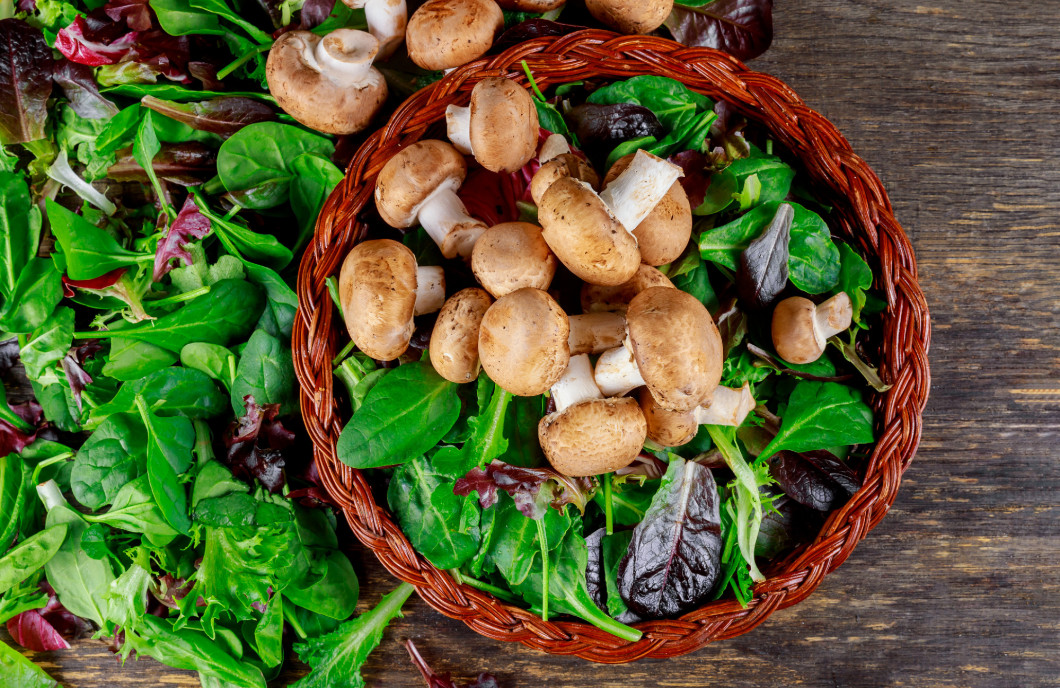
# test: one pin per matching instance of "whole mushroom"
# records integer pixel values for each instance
(386, 21)
(381, 289)
(454, 339)
(419, 184)
(327, 83)
(522, 342)
(631, 16)
(673, 347)
(554, 167)
(663, 235)
(596, 298)
(535, 6)
(674, 428)
(510, 256)
(499, 127)
(443, 34)
(801, 328)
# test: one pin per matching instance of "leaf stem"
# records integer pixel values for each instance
(240, 61)
(542, 539)
(608, 516)
(181, 298)
(533, 84)
(58, 458)
(500, 593)
(342, 354)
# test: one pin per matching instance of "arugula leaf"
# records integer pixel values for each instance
(403, 416)
(88, 250)
(20, 672)
(20, 225)
(336, 659)
(820, 415)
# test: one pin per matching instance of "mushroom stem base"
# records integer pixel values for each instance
(576, 385)
(430, 289)
(632, 195)
(458, 128)
(617, 372)
(442, 214)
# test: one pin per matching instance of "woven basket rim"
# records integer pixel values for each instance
(865, 218)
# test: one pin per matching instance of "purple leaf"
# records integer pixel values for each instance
(742, 28)
(80, 88)
(602, 127)
(25, 82)
(8, 355)
(532, 489)
(800, 480)
(435, 680)
(224, 116)
(696, 179)
(77, 377)
(14, 440)
(48, 628)
(763, 270)
(314, 12)
(190, 225)
(186, 164)
(256, 444)
(74, 43)
(134, 13)
(530, 29)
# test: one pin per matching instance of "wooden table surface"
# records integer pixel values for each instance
(956, 105)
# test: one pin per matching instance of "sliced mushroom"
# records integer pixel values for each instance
(378, 291)
(561, 165)
(454, 340)
(593, 437)
(631, 16)
(675, 428)
(801, 329)
(522, 342)
(673, 347)
(663, 235)
(499, 127)
(595, 298)
(327, 83)
(594, 333)
(443, 34)
(585, 236)
(633, 194)
(510, 256)
(419, 184)
(386, 21)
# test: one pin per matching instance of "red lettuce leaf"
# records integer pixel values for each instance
(742, 28)
(189, 226)
(532, 489)
(107, 279)
(136, 14)
(14, 440)
(435, 680)
(25, 82)
(257, 445)
(75, 44)
(696, 179)
(48, 628)
(80, 88)
(73, 366)
(489, 196)
(186, 164)
(223, 116)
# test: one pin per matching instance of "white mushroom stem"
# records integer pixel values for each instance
(430, 289)
(443, 212)
(593, 333)
(576, 385)
(832, 317)
(632, 195)
(617, 372)
(386, 21)
(554, 145)
(458, 128)
(345, 56)
(730, 407)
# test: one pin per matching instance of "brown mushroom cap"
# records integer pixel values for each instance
(510, 256)
(377, 290)
(413, 174)
(663, 235)
(801, 328)
(585, 236)
(677, 347)
(665, 427)
(504, 128)
(447, 33)
(595, 298)
(522, 342)
(535, 6)
(454, 339)
(325, 97)
(593, 437)
(563, 165)
(631, 16)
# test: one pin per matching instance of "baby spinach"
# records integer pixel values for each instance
(20, 225)
(145, 147)
(855, 278)
(20, 672)
(168, 391)
(334, 595)
(134, 510)
(214, 360)
(37, 292)
(130, 359)
(169, 443)
(15, 487)
(381, 434)
(30, 554)
(820, 415)
(773, 174)
(719, 193)
(314, 179)
(266, 372)
(88, 250)
(48, 343)
(256, 161)
(111, 457)
(281, 302)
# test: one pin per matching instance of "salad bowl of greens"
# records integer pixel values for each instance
(464, 487)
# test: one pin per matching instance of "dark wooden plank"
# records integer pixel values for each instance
(955, 106)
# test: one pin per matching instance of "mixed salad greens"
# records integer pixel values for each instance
(464, 471)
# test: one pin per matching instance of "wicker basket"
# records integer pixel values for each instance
(864, 216)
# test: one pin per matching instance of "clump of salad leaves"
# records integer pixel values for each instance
(464, 473)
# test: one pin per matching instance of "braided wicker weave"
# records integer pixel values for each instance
(863, 215)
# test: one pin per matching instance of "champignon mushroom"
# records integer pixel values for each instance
(510, 256)
(801, 329)
(673, 347)
(595, 298)
(674, 428)
(663, 235)
(594, 333)
(584, 235)
(631, 16)
(454, 340)
(499, 127)
(588, 435)
(379, 289)
(386, 21)
(632, 195)
(560, 165)
(327, 83)
(522, 342)
(535, 6)
(555, 144)
(443, 34)
(419, 184)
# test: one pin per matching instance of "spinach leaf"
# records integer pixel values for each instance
(281, 302)
(213, 360)
(48, 343)
(774, 175)
(268, 633)
(613, 550)
(179, 18)
(36, 294)
(169, 443)
(403, 416)
(145, 147)
(221, 9)
(244, 242)
(813, 261)
(337, 658)
(691, 275)
(57, 401)
(88, 250)
(315, 177)
(224, 315)
(30, 555)
(131, 359)
(674, 558)
(256, 161)
(20, 672)
(14, 481)
(111, 457)
(266, 372)
(718, 197)
(20, 225)
(524, 449)
(820, 415)
(855, 278)
(422, 499)
(134, 510)
(334, 595)
(167, 392)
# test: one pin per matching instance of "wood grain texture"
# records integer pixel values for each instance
(955, 105)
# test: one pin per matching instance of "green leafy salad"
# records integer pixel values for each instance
(587, 419)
